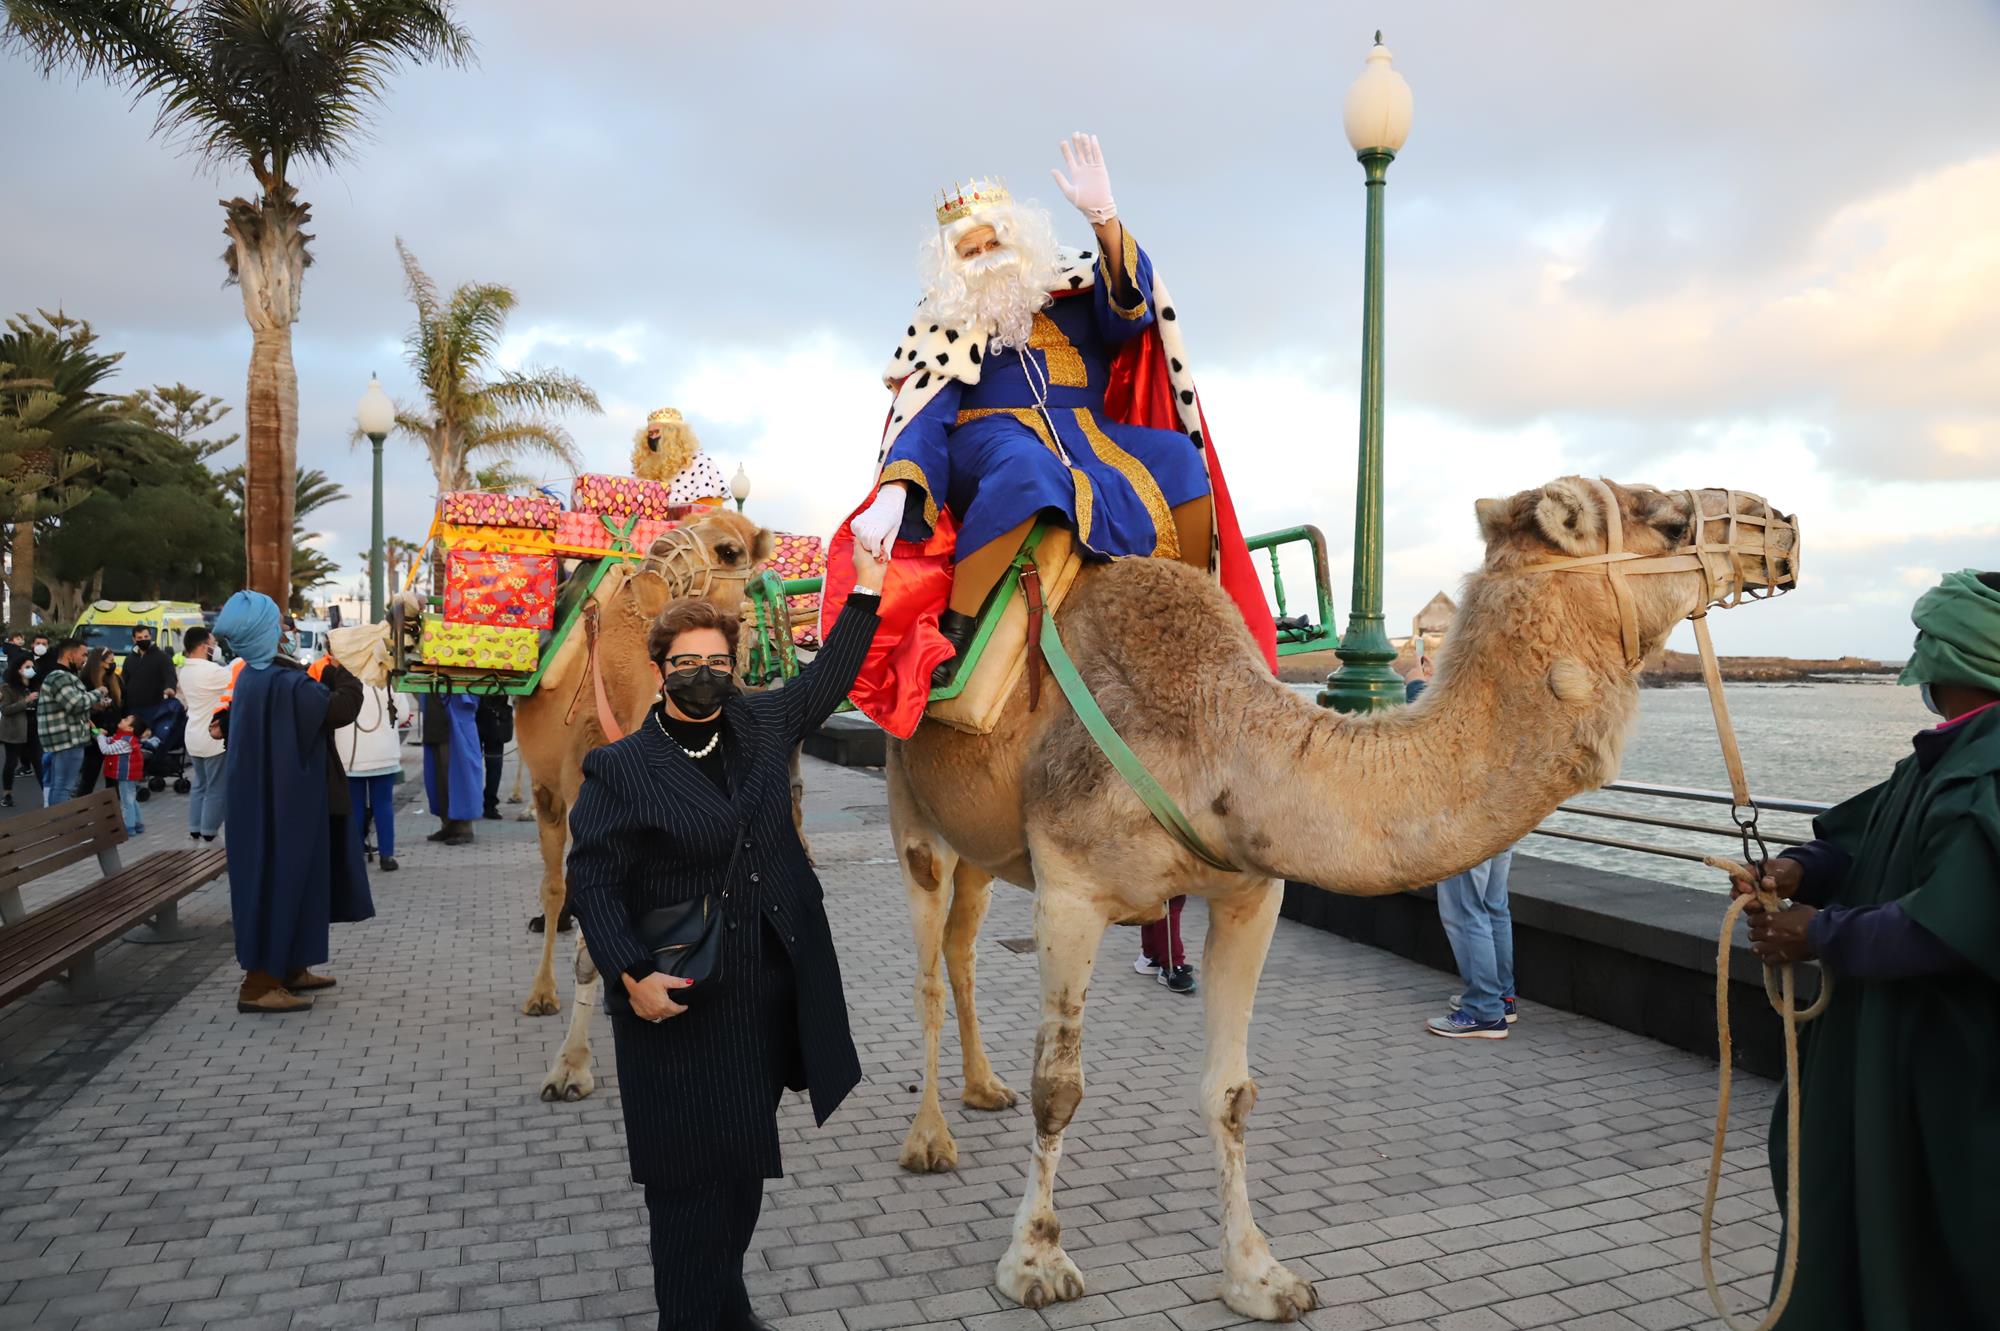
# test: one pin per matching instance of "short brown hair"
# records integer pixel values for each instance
(684, 613)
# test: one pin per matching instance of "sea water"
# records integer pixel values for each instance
(1813, 741)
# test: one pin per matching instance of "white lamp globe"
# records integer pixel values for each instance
(1377, 112)
(739, 484)
(377, 412)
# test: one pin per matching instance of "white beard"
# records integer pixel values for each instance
(999, 292)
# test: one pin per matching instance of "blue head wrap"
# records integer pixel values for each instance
(250, 624)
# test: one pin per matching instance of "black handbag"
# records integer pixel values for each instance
(685, 939)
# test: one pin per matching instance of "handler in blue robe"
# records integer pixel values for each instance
(295, 861)
(454, 766)
(992, 456)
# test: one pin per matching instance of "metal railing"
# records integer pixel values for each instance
(1685, 794)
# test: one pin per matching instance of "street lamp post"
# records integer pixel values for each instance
(1377, 119)
(739, 486)
(376, 415)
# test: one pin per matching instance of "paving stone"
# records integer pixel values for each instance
(385, 1160)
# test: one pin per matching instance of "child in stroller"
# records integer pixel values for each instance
(166, 749)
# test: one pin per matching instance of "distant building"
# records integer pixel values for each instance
(1427, 630)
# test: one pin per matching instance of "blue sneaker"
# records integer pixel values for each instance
(1460, 1026)
(1507, 1004)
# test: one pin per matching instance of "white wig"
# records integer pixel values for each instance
(998, 293)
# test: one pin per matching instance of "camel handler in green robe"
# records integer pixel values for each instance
(1899, 900)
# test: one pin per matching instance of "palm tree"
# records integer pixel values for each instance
(268, 84)
(311, 491)
(473, 413)
(63, 425)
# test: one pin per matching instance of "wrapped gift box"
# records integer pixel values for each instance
(500, 590)
(621, 497)
(478, 508)
(477, 646)
(801, 557)
(529, 540)
(579, 533)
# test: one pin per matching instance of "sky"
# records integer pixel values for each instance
(1699, 245)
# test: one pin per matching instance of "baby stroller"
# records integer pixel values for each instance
(166, 750)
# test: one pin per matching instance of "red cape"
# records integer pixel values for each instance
(894, 685)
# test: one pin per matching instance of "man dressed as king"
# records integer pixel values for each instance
(1034, 382)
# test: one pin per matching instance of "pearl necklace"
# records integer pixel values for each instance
(696, 754)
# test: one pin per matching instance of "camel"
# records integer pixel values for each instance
(1534, 696)
(558, 724)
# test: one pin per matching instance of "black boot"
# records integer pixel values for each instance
(457, 833)
(958, 630)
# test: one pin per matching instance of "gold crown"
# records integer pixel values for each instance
(974, 197)
(665, 415)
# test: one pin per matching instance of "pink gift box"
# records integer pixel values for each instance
(478, 508)
(621, 497)
(595, 533)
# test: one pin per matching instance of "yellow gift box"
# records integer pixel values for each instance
(479, 647)
(525, 540)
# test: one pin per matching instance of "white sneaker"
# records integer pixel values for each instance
(1145, 965)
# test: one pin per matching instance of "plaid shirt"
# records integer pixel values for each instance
(63, 712)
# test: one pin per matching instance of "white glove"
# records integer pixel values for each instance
(1089, 184)
(875, 528)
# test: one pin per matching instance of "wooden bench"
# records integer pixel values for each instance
(62, 938)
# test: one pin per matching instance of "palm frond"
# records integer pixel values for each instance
(539, 389)
(524, 438)
(417, 284)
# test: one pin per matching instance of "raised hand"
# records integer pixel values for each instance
(1088, 185)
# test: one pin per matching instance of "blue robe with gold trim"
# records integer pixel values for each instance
(988, 453)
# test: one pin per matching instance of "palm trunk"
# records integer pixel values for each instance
(267, 258)
(270, 434)
(21, 588)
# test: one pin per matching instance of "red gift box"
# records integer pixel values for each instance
(509, 591)
(800, 557)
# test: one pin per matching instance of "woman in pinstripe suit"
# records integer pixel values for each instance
(697, 802)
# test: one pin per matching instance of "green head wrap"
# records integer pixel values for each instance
(1958, 633)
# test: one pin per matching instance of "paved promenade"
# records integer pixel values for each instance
(384, 1160)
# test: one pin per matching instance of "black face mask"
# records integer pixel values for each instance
(144, 645)
(700, 692)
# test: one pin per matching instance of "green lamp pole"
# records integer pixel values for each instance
(1377, 116)
(376, 416)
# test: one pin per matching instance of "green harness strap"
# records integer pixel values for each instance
(1160, 804)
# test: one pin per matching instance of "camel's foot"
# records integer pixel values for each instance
(542, 1001)
(569, 1077)
(929, 1149)
(1038, 1273)
(1266, 1290)
(988, 1092)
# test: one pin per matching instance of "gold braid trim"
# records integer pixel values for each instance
(1166, 536)
(1131, 279)
(1066, 369)
(1028, 416)
(910, 471)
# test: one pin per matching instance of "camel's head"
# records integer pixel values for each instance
(712, 556)
(1677, 552)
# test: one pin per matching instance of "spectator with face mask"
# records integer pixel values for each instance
(65, 706)
(203, 681)
(150, 678)
(17, 702)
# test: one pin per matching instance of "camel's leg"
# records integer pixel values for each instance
(927, 863)
(569, 1075)
(799, 805)
(1239, 936)
(971, 891)
(1035, 1271)
(551, 821)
